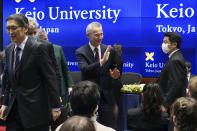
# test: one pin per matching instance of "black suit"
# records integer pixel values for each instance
(173, 78)
(34, 93)
(136, 122)
(117, 83)
(93, 71)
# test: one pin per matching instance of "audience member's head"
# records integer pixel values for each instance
(42, 34)
(188, 66)
(33, 26)
(184, 114)
(193, 87)
(118, 48)
(84, 98)
(78, 123)
(152, 99)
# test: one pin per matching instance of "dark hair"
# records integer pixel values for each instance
(185, 111)
(78, 123)
(118, 48)
(188, 64)
(84, 98)
(152, 101)
(19, 18)
(193, 87)
(174, 37)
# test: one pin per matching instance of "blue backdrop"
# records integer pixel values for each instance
(136, 24)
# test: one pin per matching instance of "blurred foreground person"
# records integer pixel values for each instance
(78, 123)
(149, 116)
(84, 101)
(193, 87)
(184, 114)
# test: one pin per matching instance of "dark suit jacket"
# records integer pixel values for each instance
(136, 123)
(35, 90)
(92, 70)
(173, 78)
(117, 83)
(49, 46)
(191, 75)
(64, 72)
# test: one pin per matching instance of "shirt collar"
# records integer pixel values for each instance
(22, 45)
(92, 47)
(172, 53)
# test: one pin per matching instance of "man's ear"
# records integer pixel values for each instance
(174, 119)
(26, 28)
(95, 110)
(88, 35)
(175, 44)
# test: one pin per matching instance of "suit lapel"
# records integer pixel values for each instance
(25, 55)
(11, 60)
(90, 53)
(103, 48)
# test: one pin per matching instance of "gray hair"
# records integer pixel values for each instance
(41, 32)
(33, 24)
(91, 25)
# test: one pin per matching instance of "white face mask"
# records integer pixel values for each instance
(165, 48)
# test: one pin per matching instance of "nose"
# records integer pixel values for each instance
(10, 32)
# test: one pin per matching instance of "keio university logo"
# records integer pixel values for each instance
(149, 56)
(18, 1)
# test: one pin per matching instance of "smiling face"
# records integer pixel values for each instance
(16, 33)
(96, 36)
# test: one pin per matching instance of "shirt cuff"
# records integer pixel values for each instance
(55, 109)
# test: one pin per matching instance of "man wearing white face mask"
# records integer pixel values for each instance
(173, 77)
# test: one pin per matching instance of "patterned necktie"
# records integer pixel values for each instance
(96, 54)
(17, 61)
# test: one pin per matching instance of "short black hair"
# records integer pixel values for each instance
(19, 18)
(174, 37)
(84, 98)
(188, 64)
(152, 101)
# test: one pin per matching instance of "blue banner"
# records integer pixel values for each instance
(136, 24)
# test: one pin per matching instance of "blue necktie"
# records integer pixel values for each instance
(17, 61)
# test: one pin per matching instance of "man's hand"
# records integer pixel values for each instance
(56, 114)
(163, 108)
(115, 74)
(106, 55)
(3, 112)
(60, 99)
(69, 90)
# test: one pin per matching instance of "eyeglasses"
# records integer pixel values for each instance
(98, 35)
(8, 28)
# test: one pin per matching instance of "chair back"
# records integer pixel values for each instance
(76, 76)
(131, 78)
